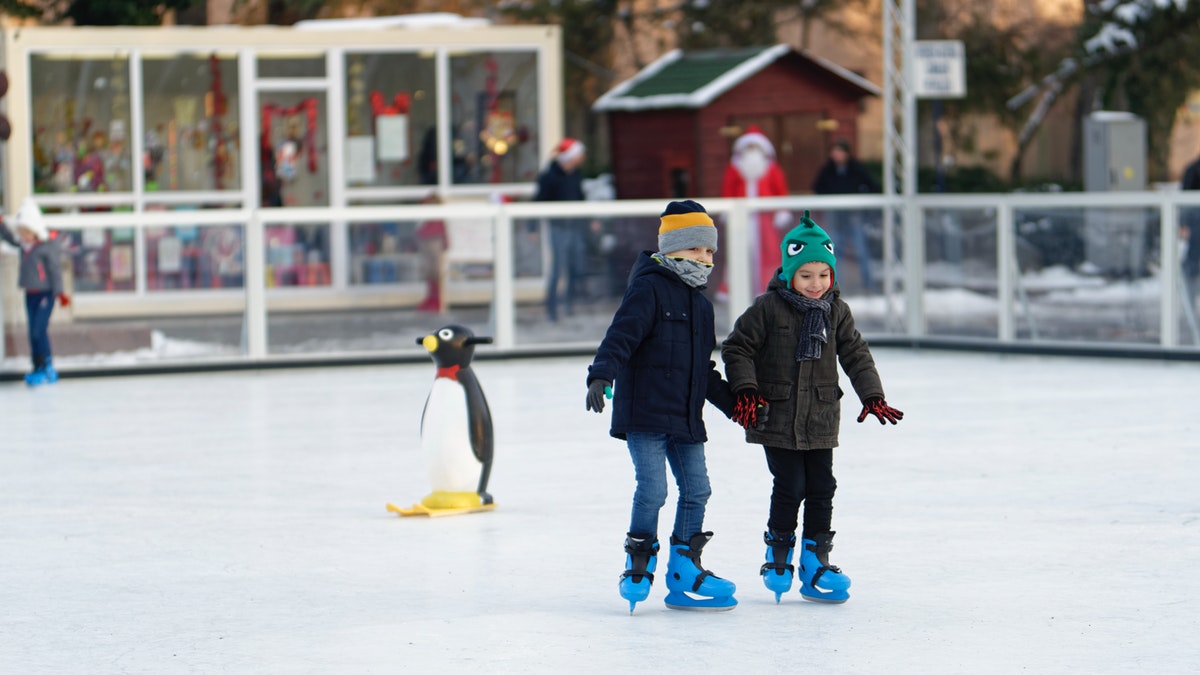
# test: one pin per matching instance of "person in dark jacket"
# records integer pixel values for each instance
(843, 174)
(1191, 220)
(658, 354)
(40, 275)
(562, 181)
(782, 357)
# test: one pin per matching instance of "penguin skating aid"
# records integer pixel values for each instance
(456, 430)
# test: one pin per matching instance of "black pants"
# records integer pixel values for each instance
(801, 476)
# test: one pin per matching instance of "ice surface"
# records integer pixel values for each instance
(1029, 514)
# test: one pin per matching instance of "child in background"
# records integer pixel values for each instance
(783, 356)
(41, 277)
(658, 353)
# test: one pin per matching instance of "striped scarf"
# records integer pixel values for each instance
(814, 332)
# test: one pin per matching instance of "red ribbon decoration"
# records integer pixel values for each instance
(219, 108)
(399, 105)
(309, 106)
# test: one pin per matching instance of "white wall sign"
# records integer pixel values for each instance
(391, 137)
(939, 69)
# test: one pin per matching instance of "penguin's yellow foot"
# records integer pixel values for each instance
(451, 500)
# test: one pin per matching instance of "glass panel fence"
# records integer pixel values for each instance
(864, 274)
(1189, 279)
(172, 284)
(960, 273)
(571, 275)
(1088, 274)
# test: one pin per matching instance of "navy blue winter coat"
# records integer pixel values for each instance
(658, 355)
(556, 185)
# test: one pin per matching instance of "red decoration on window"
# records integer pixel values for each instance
(309, 106)
(219, 107)
(398, 106)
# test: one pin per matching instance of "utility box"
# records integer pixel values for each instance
(1114, 151)
(1114, 160)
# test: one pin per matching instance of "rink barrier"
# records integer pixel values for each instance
(904, 283)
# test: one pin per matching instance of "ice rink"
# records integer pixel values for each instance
(1030, 514)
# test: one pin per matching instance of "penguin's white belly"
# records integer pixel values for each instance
(446, 439)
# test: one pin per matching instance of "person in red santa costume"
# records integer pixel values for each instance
(753, 172)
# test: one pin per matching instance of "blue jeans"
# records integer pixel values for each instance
(566, 262)
(38, 306)
(691, 477)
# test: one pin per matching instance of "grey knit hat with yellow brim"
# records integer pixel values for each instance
(685, 224)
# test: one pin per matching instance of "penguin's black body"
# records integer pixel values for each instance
(456, 423)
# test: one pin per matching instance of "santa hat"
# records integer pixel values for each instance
(756, 138)
(569, 149)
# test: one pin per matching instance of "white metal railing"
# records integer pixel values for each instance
(908, 265)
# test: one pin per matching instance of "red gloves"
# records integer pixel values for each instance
(64, 299)
(751, 410)
(879, 408)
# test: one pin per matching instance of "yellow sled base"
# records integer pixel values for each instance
(438, 504)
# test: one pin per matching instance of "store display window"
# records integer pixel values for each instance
(494, 110)
(388, 253)
(391, 119)
(101, 259)
(190, 113)
(297, 255)
(81, 134)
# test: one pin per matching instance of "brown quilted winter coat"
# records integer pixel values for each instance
(805, 398)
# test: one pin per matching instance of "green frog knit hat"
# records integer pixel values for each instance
(805, 243)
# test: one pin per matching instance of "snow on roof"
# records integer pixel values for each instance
(428, 20)
(695, 79)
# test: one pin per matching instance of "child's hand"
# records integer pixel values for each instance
(598, 390)
(751, 410)
(879, 408)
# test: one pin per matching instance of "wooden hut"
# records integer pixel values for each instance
(673, 123)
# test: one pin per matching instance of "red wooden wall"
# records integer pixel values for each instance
(786, 100)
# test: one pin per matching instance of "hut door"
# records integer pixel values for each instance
(678, 175)
(802, 149)
(799, 145)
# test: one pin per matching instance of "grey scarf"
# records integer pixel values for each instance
(693, 272)
(814, 332)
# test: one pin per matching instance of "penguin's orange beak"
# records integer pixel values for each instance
(430, 343)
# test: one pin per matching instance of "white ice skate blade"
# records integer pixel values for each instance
(702, 603)
(830, 599)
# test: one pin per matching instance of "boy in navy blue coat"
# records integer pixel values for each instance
(658, 352)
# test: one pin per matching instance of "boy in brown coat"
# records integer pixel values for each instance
(781, 359)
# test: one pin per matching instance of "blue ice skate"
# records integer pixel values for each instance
(36, 378)
(641, 557)
(820, 581)
(50, 372)
(689, 585)
(777, 572)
